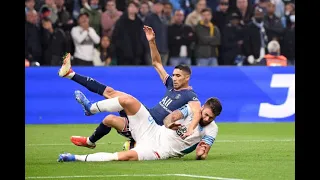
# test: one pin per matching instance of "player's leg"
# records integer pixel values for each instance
(124, 102)
(141, 122)
(100, 157)
(88, 82)
(110, 121)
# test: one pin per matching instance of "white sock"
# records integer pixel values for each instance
(108, 105)
(89, 142)
(96, 157)
(69, 76)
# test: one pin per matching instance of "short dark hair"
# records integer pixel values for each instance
(144, 2)
(183, 67)
(215, 105)
(132, 2)
(168, 3)
(206, 10)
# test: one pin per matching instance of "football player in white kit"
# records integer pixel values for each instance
(155, 142)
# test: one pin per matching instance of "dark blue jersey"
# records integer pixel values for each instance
(171, 101)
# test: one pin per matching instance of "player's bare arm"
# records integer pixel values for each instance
(202, 151)
(155, 56)
(170, 120)
(195, 107)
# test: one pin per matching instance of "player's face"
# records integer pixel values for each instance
(179, 78)
(207, 116)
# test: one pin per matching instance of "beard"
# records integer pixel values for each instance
(202, 123)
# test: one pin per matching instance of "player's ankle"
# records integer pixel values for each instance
(89, 142)
(70, 75)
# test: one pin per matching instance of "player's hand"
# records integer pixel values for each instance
(200, 150)
(174, 126)
(188, 133)
(149, 33)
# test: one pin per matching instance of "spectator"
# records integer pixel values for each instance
(53, 11)
(194, 17)
(94, 14)
(33, 50)
(175, 4)
(103, 56)
(64, 20)
(279, 7)
(187, 6)
(157, 21)
(288, 42)
(26, 63)
(144, 11)
(232, 40)
(272, 23)
(121, 5)
(84, 38)
(109, 18)
(255, 38)
(29, 5)
(208, 40)
(181, 38)
(54, 43)
(274, 58)
(76, 7)
(128, 37)
(289, 8)
(68, 4)
(245, 11)
(263, 4)
(38, 4)
(219, 18)
(167, 12)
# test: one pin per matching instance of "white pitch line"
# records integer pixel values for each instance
(204, 177)
(217, 141)
(130, 175)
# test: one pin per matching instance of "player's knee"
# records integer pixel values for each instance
(126, 100)
(111, 120)
(127, 156)
(108, 91)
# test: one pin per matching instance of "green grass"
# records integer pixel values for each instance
(261, 151)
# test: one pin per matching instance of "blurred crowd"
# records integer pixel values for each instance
(193, 32)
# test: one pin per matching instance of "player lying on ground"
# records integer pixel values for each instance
(153, 141)
(178, 94)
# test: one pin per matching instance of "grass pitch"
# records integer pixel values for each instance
(259, 151)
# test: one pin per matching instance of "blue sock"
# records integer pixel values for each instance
(91, 84)
(72, 157)
(101, 131)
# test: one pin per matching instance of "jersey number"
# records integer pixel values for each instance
(181, 131)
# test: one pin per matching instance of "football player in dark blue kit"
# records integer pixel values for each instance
(178, 93)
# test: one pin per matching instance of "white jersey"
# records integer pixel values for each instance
(176, 146)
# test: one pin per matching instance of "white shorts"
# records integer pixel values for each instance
(142, 126)
(148, 152)
(146, 132)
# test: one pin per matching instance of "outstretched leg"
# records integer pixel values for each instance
(110, 121)
(124, 102)
(88, 82)
(99, 157)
